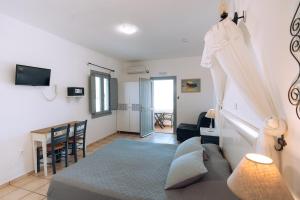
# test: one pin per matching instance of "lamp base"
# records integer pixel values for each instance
(210, 126)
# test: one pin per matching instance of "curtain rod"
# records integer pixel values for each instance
(101, 67)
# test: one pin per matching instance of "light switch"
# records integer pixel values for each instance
(235, 106)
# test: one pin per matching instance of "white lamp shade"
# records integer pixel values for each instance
(257, 178)
(275, 127)
(211, 114)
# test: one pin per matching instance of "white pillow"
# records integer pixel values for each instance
(190, 145)
(185, 170)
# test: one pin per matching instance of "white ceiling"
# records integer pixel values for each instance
(163, 24)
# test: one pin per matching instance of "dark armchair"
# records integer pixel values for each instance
(186, 131)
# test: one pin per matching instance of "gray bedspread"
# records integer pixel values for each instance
(130, 170)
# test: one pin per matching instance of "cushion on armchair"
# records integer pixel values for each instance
(186, 131)
(188, 126)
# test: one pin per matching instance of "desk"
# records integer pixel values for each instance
(43, 136)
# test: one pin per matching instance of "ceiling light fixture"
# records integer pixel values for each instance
(127, 29)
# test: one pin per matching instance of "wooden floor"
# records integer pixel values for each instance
(35, 186)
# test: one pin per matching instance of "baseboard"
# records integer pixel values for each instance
(4, 185)
(125, 132)
(16, 179)
(100, 139)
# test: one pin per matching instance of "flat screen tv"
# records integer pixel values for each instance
(34, 76)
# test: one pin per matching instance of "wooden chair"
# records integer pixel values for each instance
(159, 120)
(57, 148)
(77, 142)
(169, 117)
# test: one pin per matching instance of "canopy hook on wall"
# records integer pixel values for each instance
(236, 17)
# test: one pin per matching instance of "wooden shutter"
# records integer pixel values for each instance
(92, 94)
(114, 94)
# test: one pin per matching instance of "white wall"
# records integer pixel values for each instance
(189, 105)
(268, 23)
(23, 108)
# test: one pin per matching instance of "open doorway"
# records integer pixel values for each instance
(164, 104)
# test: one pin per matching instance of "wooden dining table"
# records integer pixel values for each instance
(43, 137)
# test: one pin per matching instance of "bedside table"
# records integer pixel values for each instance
(209, 136)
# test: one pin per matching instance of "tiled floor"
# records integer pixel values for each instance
(166, 129)
(35, 186)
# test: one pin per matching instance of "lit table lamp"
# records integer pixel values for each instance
(211, 113)
(257, 178)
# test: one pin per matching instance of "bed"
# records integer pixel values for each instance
(132, 170)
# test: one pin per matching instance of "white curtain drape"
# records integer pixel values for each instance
(226, 47)
(219, 80)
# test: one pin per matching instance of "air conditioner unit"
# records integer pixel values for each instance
(137, 70)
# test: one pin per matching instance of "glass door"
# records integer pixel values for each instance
(146, 111)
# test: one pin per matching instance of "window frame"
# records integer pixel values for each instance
(103, 112)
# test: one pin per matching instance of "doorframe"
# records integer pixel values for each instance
(174, 78)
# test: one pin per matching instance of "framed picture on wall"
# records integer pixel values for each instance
(191, 85)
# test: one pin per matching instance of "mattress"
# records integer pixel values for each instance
(132, 170)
